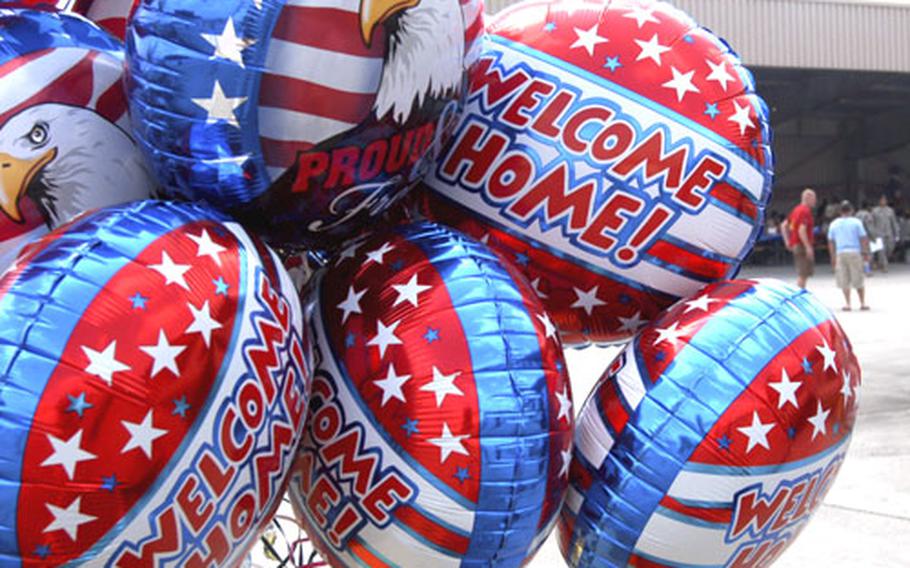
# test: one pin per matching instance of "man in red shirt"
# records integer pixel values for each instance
(800, 238)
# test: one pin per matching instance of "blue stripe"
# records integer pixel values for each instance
(27, 31)
(43, 306)
(729, 352)
(765, 469)
(511, 391)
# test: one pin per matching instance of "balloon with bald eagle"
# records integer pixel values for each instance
(302, 119)
(65, 146)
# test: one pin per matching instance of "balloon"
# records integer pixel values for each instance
(111, 15)
(713, 436)
(63, 144)
(441, 422)
(301, 119)
(616, 151)
(154, 381)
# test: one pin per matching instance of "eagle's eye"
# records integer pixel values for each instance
(38, 134)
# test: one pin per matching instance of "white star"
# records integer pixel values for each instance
(700, 303)
(442, 385)
(669, 334)
(681, 83)
(588, 39)
(741, 117)
(142, 435)
(549, 328)
(818, 421)
(757, 432)
(378, 254)
(651, 49)
(68, 519)
(172, 272)
(587, 300)
(205, 246)
(447, 443)
(103, 364)
(203, 323)
(351, 304)
(786, 390)
(68, 453)
(536, 285)
(228, 45)
(829, 355)
(391, 385)
(164, 355)
(219, 106)
(631, 324)
(385, 336)
(641, 15)
(408, 292)
(846, 389)
(565, 405)
(566, 456)
(719, 73)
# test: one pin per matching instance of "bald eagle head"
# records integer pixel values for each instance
(425, 55)
(68, 160)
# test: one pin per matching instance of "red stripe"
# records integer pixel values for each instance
(312, 98)
(614, 412)
(329, 29)
(694, 263)
(580, 476)
(639, 562)
(474, 30)
(278, 153)
(116, 26)
(364, 555)
(18, 62)
(736, 199)
(112, 103)
(711, 515)
(430, 530)
(73, 88)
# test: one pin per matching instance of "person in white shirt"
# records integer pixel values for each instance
(848, 246)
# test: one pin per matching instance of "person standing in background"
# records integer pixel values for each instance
(848, 245)
(800, 238)
(865, 217)
(885, 227)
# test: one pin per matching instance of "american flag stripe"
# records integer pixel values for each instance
(281, 93)
(35, 76)
(339, 71)
(726, 233)
(365, 555)
(631, 383)
(695, 263)
(707, 514)
(411, 548)
(11, 65)
(287, 125)
(431, 530)
(705, 545)
(735, 198)
(328, 29)
(592, 438)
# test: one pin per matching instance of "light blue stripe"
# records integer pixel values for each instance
(765, 469)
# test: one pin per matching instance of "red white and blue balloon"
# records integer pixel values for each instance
(441, 423)
(303, 119)
(617, 151)
(154, 383)
(65, 145)
(715, 435)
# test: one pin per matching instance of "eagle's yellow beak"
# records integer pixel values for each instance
(372, 12)
(15, 176)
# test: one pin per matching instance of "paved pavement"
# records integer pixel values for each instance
(865, 520)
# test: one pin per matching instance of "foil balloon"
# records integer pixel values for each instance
(153, 386)
(616, 151)
(302, 119)
(441, 421)
(714, 436)
(65, 146)
(112, 15)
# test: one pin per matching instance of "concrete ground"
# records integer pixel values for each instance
(865, 519)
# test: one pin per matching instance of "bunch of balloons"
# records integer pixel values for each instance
(334, 250)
